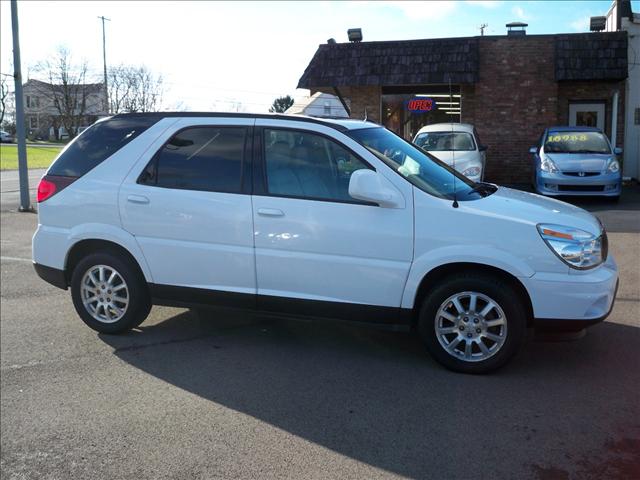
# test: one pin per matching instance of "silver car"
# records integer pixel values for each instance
(576, 161)
(5, 137)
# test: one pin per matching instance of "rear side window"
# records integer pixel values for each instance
(99, 142)
(199, 158)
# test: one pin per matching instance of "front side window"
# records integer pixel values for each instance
(307, 165)
(445, 141)
(199, 158)
(576, 142)
(419, 167)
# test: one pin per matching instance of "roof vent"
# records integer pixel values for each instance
(516, 29)
(331, 41)
(597, 24)
(355, 34)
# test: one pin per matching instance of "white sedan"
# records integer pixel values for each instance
(455, 143)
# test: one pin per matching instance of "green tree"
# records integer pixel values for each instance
(280, 104)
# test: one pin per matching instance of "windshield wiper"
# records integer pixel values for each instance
(482, 187)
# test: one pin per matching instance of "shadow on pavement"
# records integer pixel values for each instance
(558, 409)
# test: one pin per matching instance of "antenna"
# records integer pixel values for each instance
(482, 27)
(453, 152)
(365, 115)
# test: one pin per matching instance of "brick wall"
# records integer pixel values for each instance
(358, 99)
(515, 98)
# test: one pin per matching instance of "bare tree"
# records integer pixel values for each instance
(68, 90)
(134, 89)
(4, 95)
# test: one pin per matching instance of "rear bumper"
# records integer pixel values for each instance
(52, 275)
(553, 184)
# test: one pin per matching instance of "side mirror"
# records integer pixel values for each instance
(617, 151)
(533, 150)
(483, 148)
(372, 187)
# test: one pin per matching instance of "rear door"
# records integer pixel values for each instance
(187, 204)
(318, 250)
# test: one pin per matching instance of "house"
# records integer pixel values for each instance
(51, 110)
(318, 105)
(511, 87)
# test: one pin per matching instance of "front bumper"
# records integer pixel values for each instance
(573, 300)
(608, 184)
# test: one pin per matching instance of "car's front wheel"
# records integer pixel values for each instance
(109, 293)
(473, 323)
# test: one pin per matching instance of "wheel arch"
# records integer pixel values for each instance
(437, 274)
(84, 247)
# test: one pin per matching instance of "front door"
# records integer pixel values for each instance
(587, 115)
(319, 251)
(187, 208)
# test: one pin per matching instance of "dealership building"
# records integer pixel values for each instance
(511, 87)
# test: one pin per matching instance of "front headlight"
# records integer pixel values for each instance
(547, 165)
(577, 248)
(471, 172)
(614, 166)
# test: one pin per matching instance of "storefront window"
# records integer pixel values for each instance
(405, 110)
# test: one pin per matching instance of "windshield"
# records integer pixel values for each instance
(421, 169)
(576, 142)
(445, 141)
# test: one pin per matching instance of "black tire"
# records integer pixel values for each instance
(139, 300)
(499, 292)
(614, 199)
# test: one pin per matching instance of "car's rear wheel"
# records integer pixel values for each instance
(109, 293)
(473, 323)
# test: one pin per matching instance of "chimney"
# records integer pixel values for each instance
(516, 29)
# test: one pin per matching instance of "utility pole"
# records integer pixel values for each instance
(23, 171)
(482, 27)
(104, 64)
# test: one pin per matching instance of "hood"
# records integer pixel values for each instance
(580, 162)
(534, 209)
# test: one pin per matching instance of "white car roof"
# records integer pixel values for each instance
(447, 127)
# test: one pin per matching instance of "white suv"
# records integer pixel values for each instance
(323, 218)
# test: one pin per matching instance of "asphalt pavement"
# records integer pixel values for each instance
(241, 396)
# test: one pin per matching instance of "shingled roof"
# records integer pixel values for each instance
(409, 62)
(591, 56)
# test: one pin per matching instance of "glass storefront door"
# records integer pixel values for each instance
(405, 111)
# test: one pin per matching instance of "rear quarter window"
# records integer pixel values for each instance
(98, 143)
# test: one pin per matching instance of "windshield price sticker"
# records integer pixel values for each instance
(567, 138)
(421, 105)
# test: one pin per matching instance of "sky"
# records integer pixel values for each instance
(227, 56)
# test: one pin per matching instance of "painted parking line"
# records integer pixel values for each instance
(15, 259)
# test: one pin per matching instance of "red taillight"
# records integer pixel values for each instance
(51, 184)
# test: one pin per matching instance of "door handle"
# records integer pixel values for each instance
(270, 212)
(137, 199)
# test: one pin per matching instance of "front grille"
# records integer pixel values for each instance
(581, 188)
(584, 174)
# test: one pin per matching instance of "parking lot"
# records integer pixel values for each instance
(241, 396)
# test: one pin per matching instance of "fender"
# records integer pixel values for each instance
(481, 254)
(103, 231)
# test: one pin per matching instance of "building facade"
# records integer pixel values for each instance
(47, 108)
(510, 87)
(620, 17)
